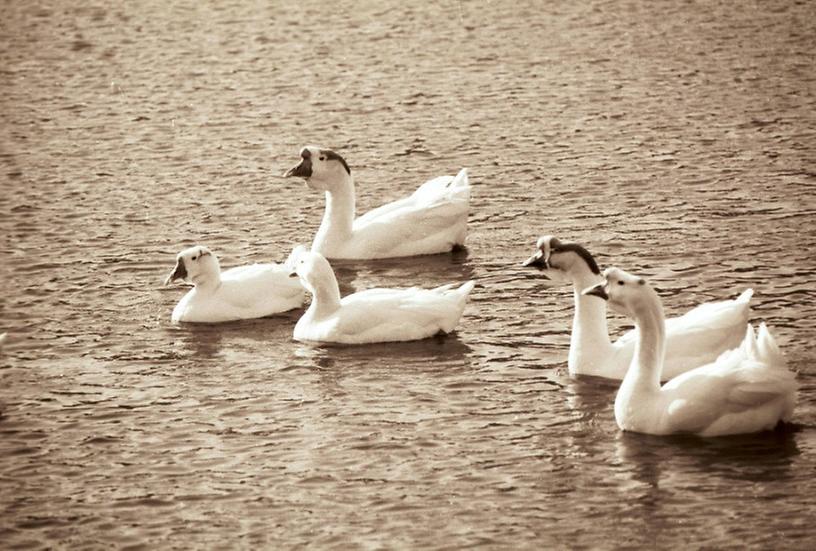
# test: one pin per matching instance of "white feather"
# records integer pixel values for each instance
(747, 389)
(693, 339)
(244, 292)
(431, 220)
(374, 315)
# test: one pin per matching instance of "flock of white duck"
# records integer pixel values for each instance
(722, 377)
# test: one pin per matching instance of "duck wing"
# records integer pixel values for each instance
(437, 192)
(762, 374)
(256, 284)
(398, 314)
(436, 204)
(737, 382)
(432, 220)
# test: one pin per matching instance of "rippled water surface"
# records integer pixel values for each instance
(675, 140)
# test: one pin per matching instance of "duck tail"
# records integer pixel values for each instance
(749, 343)
(460, 180)
(466, 288)
(443, 288)
(745, 296)
(291, 260)
(463, 290)
(767, 351)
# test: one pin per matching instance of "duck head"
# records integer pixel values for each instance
(193, 264)
(291, 260)
(560, 262)
(321, 168)
(626, 294)
(312, 268)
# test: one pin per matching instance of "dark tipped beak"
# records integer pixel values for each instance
(303, 170)
(536, 261)
(596, 291)
(179, 272)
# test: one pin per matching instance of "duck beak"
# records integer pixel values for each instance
(179, 272)
(303, 170)
(596, 291)
(537, 261)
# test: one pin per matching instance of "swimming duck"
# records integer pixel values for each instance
(745, 390)
(244, 292)
(694, 339)
(373, 315)
(432, 220)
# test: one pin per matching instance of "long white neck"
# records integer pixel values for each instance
(590, 347)
(338, 218)
(650, 352)
(325, 296)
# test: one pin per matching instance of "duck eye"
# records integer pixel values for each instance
(621, 283)
(322, 158)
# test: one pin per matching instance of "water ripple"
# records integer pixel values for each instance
(675, 142)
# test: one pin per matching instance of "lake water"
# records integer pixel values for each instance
(675, 140)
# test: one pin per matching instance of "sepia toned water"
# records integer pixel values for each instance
(674, 140)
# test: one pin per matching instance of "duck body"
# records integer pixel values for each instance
(743, 391)
(746, 389)
(374, 315)
(693, 339)
(432, 220)
(244, 292)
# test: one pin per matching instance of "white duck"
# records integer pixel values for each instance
(745, 390)
(244, 292)
(694, 339)
(432, 220)
(374, 315)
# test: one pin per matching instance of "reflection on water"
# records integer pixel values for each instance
(673, 141)
(755, 458)
(587, 393)
(447, 349)
(208, 340)
(422, 271)
(203, 340)
(664, 480)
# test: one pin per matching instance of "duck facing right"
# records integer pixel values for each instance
(747, 389)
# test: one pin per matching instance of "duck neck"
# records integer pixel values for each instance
(589, 343)
(338, 217)
(325, 298)
(207, 282)
(647, 363)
